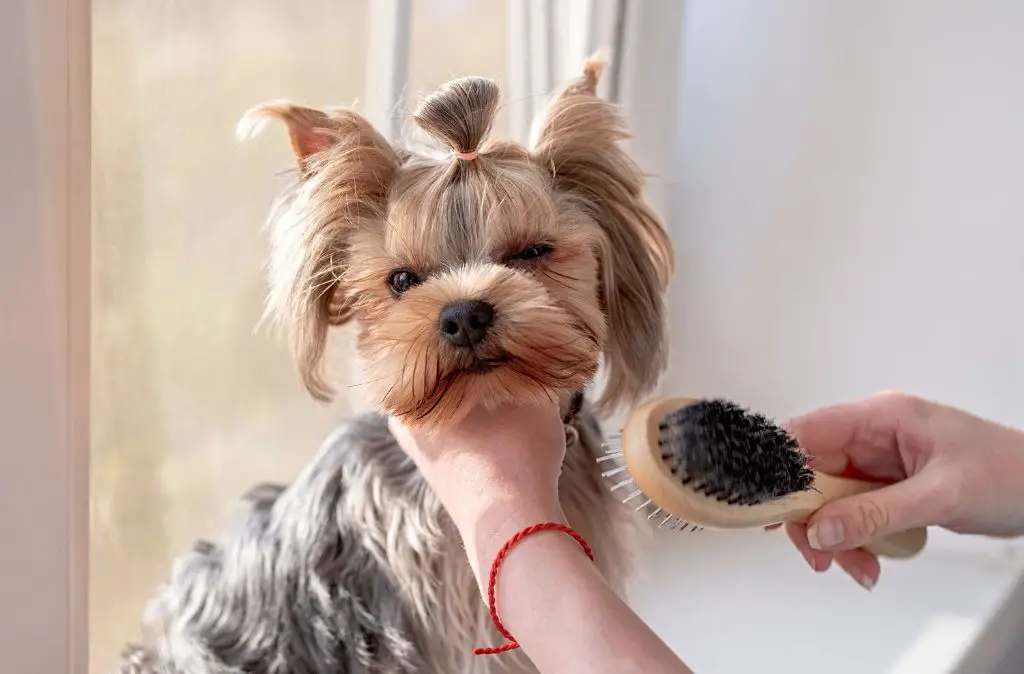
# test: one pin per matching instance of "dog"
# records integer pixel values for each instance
(486, 273)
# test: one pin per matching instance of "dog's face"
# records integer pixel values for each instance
(499, 277)
(481, 292)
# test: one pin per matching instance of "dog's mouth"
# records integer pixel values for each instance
(485, 365)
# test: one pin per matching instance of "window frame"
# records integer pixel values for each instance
(45, 257)
(539, 63)
(388, 69)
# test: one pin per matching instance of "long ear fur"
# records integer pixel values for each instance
(578, 143)
(346, 168)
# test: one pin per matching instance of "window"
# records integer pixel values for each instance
(191, 405)
(452, 38)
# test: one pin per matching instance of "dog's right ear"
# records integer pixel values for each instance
(310, 131)
(346, 169)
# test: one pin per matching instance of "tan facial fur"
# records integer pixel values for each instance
(564, 261)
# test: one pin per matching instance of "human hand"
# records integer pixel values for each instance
(494, 471)
(946, 467)
(497, 472)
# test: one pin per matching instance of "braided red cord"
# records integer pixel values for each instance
(492, 582)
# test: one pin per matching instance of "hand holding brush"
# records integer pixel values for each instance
(943, 467)
(850, 482)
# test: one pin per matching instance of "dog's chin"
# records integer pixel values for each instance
(489, 381)
(480, 366)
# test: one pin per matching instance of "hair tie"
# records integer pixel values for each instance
(466, 156)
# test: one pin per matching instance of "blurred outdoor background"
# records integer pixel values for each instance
(191, 405)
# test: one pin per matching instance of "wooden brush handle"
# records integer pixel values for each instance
(903, 545)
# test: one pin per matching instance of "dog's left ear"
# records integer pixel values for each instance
(578, 143)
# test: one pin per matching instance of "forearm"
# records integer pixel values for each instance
(551, 597)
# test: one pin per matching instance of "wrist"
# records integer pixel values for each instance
(486, 529)
(480, 495)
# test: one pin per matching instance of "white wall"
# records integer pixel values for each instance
(848, 212)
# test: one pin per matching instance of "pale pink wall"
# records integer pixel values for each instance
(44, 335)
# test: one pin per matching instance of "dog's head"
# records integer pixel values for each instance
(502, 275)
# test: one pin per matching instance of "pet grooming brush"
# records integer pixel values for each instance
(698, 464)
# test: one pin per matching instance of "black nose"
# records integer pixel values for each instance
(466, 323)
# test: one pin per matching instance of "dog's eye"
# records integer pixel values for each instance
(533, 252)
(402, 280)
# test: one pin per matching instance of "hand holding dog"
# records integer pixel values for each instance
(494, 469)
(496, 472)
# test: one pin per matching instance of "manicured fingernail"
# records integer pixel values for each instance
(821, 563)
(826, 534)
(866, 582)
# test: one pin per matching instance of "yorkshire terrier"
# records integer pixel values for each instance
(485, 274)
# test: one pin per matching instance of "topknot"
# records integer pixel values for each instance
(460, 113)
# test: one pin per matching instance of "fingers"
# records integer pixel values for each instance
(401, 433)
(849, 523)
(831, 428)
(816, 559)
(860, 565)
(825, 434)
(862, 433)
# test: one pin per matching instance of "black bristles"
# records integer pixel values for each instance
(732, 454)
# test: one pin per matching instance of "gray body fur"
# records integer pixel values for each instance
(353, 569)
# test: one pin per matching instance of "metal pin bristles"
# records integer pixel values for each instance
(615, 468)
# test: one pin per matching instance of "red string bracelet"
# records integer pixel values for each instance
(511, 644)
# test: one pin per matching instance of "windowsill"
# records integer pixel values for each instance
(743, 600)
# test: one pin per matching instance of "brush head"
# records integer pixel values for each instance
(721, 450)
(711, 463)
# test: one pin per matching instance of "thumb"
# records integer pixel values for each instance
(851, 522)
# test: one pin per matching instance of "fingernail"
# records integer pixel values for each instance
(866, 582)
(821, 564)
(826, 534)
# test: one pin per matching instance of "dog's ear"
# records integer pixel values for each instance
(310, 131)
(578, 143)
(346, 168)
